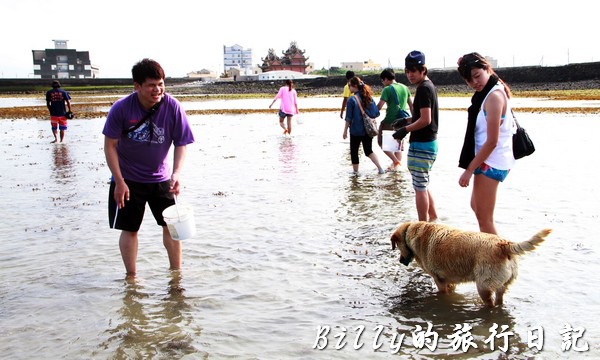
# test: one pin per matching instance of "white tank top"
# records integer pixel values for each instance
(502, 157)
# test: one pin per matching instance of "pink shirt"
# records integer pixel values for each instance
(288, 100)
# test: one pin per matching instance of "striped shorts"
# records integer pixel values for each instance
(421, 156)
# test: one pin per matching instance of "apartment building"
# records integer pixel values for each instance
(63, 63)
(237, 57)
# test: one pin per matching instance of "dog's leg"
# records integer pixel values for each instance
(500, 295)
(486, 295)
(443, 286)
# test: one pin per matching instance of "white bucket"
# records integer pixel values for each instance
(389, 143)
(180, 221)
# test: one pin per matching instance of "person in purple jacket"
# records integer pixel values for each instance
(139, 131)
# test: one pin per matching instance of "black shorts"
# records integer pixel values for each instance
(130, 217)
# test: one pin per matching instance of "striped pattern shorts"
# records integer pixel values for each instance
(421, 156)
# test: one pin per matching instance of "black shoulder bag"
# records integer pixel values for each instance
(522, 144)
(144, 119)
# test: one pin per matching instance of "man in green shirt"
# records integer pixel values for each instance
(397, 98)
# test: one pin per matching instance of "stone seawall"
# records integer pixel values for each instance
(573, 76)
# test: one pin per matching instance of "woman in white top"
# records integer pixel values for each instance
(487, 150)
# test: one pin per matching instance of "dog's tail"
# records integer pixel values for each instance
(529, 245)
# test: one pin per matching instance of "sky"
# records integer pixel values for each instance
(186, 36)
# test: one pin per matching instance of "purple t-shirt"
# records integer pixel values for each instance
(142, 155)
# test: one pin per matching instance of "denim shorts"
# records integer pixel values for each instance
(283, 115)
(488, 171)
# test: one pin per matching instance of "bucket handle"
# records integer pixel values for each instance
(177, 208)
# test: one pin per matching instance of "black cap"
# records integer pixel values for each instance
(55, 84)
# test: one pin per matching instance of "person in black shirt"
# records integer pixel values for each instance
(423, 129)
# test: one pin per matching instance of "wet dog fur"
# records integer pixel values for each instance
(452, 256)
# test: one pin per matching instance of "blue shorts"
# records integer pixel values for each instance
(282, 114)
(421, 156)
(488, 171)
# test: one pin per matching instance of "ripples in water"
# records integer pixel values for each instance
(288, 242)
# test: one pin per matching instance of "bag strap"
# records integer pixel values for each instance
(150, 112)
(515, 119)
(395, 93)
(359, 105)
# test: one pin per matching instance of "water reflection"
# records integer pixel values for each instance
(149, 328)
(62, 161)
(418, 305)
(287, 155)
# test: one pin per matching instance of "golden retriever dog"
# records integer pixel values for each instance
(452, 256)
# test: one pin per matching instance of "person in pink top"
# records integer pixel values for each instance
(288, 107)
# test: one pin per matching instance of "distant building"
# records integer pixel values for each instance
(245, 74)
(63, 63)
(286, 74)
(368, 65)
(204, 74)
(237, 57)
(293, 59)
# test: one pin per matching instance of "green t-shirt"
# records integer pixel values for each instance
(394, 104)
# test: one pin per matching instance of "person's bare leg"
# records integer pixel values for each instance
(173, 249)
(398, 155)
(375, 161)
(483, 202)
(422, 202)
(431, 211)
(128, 244)
(289, 125)
(282, 125)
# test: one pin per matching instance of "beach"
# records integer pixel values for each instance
(292, 252)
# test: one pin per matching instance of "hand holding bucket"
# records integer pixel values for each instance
(180, 221)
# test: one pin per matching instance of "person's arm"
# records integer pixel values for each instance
(410, 104)
(421, 122)
(276, 97)
(346, 126)
(69, 105)
(344, 102)
(349, 114)
(493, 107)
(178, 160)
(296, 102)
(112, 160)
(273, 102)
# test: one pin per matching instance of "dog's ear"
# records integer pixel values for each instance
(394, 239)
(398, 235)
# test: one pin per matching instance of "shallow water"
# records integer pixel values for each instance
(289, 245)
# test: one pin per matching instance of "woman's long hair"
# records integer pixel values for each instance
(474, 60)
(290, 84)
(366, 94)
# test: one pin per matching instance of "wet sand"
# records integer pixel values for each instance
(94, 104)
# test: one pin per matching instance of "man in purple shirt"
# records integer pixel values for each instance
(139, 132)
